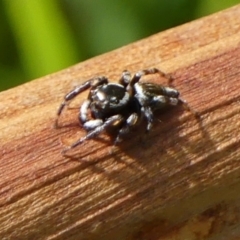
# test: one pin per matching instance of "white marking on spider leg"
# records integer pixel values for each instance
(171, 92)
(140, 95)
(160, 98)
(92, 124)
(173, 101)
(159, 102)
(130, 122)
(126, 77)
(132, 119)
(83, 111)
(147, 112)
(183, 101)
(114, 120)
(125, 99)
(139, 90)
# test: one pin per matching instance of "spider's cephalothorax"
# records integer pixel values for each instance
(120, 105)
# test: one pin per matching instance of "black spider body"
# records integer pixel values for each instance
(120, 105)
(110, 99)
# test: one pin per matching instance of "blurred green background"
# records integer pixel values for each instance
(39, 37)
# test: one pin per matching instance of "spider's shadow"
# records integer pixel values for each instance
(139, 145)
(149, 161)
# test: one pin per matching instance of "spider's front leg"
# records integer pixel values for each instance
(92, 83)
(100, 126)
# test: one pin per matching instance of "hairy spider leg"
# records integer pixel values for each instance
(125, 78)
(147, 112)
(92, 124)
(92, 83)
(130, 122)
(111, 121)
(83, 111)
(188, 108)
(137, 76)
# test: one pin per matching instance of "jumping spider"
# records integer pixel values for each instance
(120, 105)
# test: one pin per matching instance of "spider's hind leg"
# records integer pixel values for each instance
(149, 71)
(187, 107)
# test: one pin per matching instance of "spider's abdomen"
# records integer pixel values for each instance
(151, 89)
(155, 96)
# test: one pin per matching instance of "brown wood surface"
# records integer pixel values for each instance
(181, 181)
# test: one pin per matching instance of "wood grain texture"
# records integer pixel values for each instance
(181, 181)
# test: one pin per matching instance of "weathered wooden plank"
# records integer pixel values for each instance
(180, 180)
